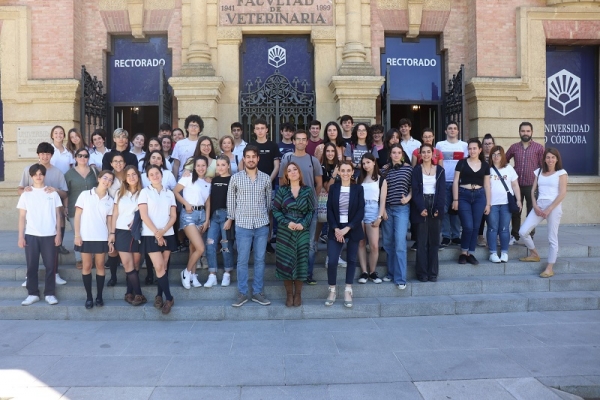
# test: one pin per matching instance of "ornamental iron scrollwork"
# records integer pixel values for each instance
(454, 100)
(278, 101)
(165, 99)
(93, 105)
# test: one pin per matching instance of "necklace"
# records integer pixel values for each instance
(429, 173)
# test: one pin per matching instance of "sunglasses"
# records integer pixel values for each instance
(83, 156)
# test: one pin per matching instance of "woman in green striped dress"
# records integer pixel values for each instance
(293, 209)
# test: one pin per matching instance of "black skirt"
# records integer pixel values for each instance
(149, 244)
(93, 247)
(125, 242)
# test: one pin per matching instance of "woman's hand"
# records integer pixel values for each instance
(186, 173)
(189, 208)
(455, 205)
(519, 204)
(339, 235)
(538, 211)
(204, 227)
(111, 247)
(424, 213)
(376, 223)
(159, 233)
(77, 241)
(384, 215)
(487, 209)
(227, 225)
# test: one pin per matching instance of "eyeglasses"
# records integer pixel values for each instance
(105, 178)
(83, 156)
(496, 155)
(118, 162)
(193, 126)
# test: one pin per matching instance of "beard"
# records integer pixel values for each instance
(525, 138)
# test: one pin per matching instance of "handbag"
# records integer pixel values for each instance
(512, 200)
(322, 206)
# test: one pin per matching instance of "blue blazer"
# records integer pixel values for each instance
(439, 198)
(356, 211)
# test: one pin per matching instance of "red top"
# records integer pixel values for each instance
(437, 156)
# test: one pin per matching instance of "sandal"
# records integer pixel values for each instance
(348, 291)
(331, 298)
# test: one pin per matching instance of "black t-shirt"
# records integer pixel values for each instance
(268, 153)
(470, 177)
(130, 159)
(218, 192)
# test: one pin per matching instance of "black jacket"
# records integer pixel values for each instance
(130, 159)
(439, 198)
(356, 211)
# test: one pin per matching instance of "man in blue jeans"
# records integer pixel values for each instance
(248, 204)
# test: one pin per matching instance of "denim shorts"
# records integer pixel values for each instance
(196, 217)
(371, 211)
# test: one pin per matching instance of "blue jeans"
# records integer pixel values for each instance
(245, 238)
(498, 224)
(471, 204)
(334, 248)
(196, 217)
(312, 250)
(216, 233)
(394, 241)
(450, 223)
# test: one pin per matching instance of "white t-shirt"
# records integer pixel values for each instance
(168, 180)
(95, 210)
(114, 188)
(62, 161)
(238, 151)
(371, 190)
(195, 193)
(409, 147)
(498, 192)
(128, 205)
(41, 211)
(159, 208)
(96, 157)
(453, 152)
(548, 186)
(183, 150)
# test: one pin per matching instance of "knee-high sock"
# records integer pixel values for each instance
(163, 282)
(112, 263)
(133, 281)
(87, 284)
(99, 285)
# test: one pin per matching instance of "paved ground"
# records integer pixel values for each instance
(487, 356)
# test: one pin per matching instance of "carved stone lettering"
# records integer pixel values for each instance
(276, 12)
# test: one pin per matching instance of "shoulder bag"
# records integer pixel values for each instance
(512, 200)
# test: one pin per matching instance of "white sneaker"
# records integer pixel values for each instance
(401, 286)
(513, 241)
(212, 281)
(226, 279)
(494, 258)
(30, 300)
(195, 281)
(24, 284)
(59, 280)
(504, 257)
(342, 263)
(185, 278)
(51, 300)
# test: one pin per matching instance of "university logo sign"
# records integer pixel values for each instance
(277, 56)
(564, 92)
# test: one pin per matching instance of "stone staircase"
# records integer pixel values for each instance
(461, 289)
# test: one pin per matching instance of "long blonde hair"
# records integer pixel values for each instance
(125, 187)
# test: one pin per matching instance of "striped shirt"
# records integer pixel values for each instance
(248, 200)
(398, 184)
(527, 159)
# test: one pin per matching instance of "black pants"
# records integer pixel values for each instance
(428, 243)
(43, 245)
(516, 217)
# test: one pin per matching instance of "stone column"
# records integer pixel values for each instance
(354, 54)
(198, 53)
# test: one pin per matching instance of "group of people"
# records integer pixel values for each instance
(142, 202)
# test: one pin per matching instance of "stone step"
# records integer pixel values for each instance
(448, 269)
(274, 289)
(311, 308)
(448, 254)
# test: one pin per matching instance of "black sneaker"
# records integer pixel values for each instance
(363, 278)
(445, 243)
(323, 238)
(274, 239)
(310, 281)
(375, 278)
(472, 260)
(462, 259)
(270, 249)
(414, 247)
(456, 242)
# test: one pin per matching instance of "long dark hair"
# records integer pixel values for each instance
(481, 155)
(149, 155)
(363, 173)
(354, 137)
(556, 153)
(339, 140)
(195, 176)
(198, 151)
(325, 163)
(388, 136)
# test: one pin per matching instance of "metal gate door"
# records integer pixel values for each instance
(454, 100)
(277, 100)
(93, 105)
(165, 100)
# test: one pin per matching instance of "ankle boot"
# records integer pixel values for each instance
(298, 293)
(289, 291)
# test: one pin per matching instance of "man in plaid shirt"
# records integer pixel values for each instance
(248, 204)
(528, 156)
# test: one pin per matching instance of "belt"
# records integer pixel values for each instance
(428, 195)
(197, 207)
(472, 189)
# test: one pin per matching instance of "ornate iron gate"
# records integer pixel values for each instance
(165, 100)
(278, 101)
(454, 100)
(93, 106)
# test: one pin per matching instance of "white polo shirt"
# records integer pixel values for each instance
(95, 210)
(62, 161)
(159, 208)
(168, 179)
(41, 211)
(127, 206)
(195, 193)
(183, 150)
(96, 157)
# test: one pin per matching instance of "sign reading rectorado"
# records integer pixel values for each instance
(275, 12)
